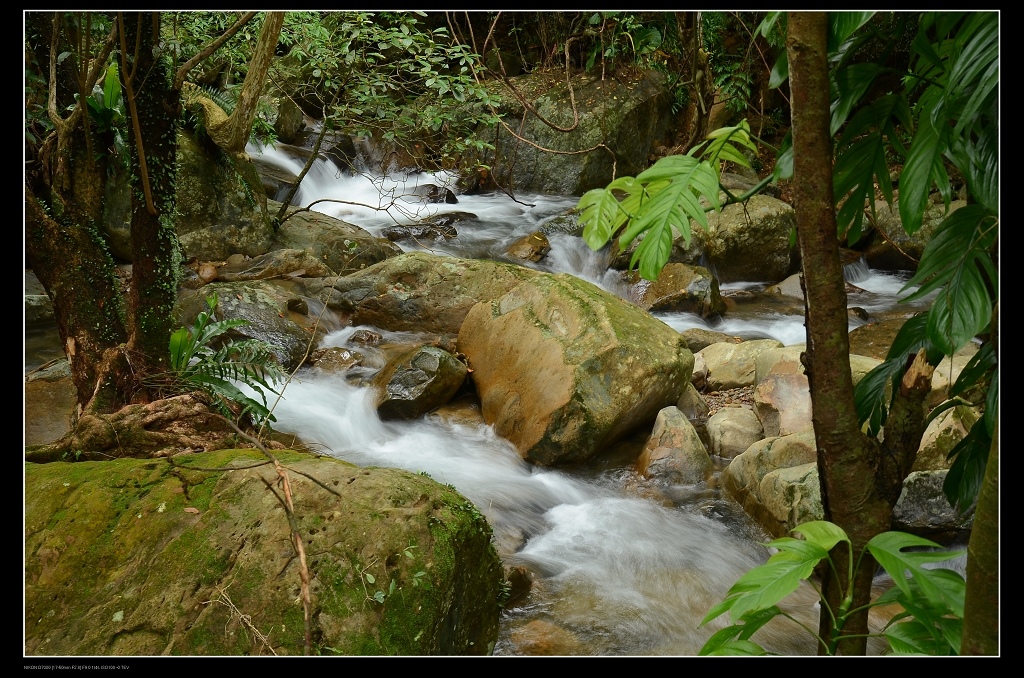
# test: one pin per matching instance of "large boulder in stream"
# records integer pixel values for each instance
(341, 246)
(621, 119)
(423, 292)
(189, 557)
(564, 368)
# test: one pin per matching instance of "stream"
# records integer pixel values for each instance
(620, 565)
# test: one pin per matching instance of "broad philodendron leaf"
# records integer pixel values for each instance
(992, 405)
(723, 145)
(736, 648)
(912, 638)
(887, 549)
(966, 474)
(980, 364)
(842, 25)
(765, 585)
(854, 179)
(851, 82)
(962, 310)
(784, 165)
(977, 157)
(780, 71)
(822, 534)
(923, 167)
(974, 73)
(658, 202)
(961, 240)
(735, 639)
(874, 392)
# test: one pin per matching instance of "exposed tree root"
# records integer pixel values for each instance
(158, 429)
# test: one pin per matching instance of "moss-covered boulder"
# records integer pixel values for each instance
(146, 557)
(422, 291)
(342, 247)
(620, 119)
(564, 368)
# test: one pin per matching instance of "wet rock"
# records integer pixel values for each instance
(417, 382)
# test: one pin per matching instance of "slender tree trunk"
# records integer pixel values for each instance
(239, 124)
(860, 478)
(844, 453)
(981, 606)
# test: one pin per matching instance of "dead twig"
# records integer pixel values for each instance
(244, 618)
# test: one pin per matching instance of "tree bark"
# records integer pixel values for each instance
(860, 478)
(845, 454)
(981, 605)
(152, 106)
(63, 245)
(235, 133)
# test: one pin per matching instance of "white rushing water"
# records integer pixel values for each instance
(627, 567)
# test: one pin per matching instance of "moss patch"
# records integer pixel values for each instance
(146, 557)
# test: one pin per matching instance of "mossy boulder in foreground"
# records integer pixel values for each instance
(146, 557)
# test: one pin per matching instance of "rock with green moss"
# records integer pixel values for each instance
(146, 557)
(564, 368)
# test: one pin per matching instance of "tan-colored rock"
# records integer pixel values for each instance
(674, 453)
(564, 368)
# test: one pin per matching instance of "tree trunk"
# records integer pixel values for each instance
(845, 454)
(63, 210)
(981, 606)
(860, 478)
(152, 106)
(233, 137)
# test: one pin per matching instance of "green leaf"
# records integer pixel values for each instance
(966, 474)
(823, 534)
(735, 648)
(961, 241)
(852, 83)
(842, 25)
(764, 586)
(887, 549)
(923, 168)
(962, 310)
(111, 87)
(911, 638)
(784, 165)
(780, 71)
(980, 364)
(992, 405)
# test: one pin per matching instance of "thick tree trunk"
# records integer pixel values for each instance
(152, 106)
(63, 244)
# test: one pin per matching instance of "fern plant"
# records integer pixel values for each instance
(195, 360)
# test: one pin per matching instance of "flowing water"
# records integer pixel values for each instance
(621, 565)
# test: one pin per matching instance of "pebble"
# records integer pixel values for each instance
(733, 397)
